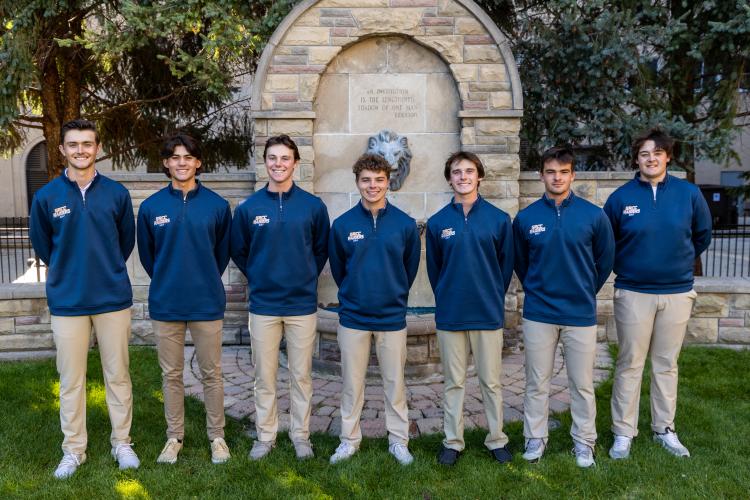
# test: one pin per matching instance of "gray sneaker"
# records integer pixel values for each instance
(303, 449)
(621, 447)
(669, 440)
(534, 449)
(261, 449)
(584, 455)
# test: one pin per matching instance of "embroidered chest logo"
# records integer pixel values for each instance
(631, 210)
(161, 220)
(61, 212)
(447, 233)
(261, 220)
(537, 229)
(355, 236)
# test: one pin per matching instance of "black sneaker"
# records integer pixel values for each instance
(448, 456)
(502, 455)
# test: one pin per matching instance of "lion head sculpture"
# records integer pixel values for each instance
(395, 149)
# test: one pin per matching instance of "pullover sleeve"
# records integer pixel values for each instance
(411, 253)
(40, 231)
(701, 227)
(434, 257)
(126, 226)
(239, 245)
(321, 230)
(146, 247)
(612, 215)
(604, 251)
(521, 253)
(223, 236)
(336, 256)
(505, 251)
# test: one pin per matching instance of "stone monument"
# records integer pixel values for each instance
(344, 76)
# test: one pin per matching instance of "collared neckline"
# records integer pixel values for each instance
(178, 192)
(72, 182)
(567, 201)
(637, 177)
(460, 206)
(284, 194)
(381, 211)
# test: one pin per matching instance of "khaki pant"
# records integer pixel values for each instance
(265, 338)
(653, 325)
(390, 348)
(487, 348)
(579, 350)
(207, 336)
(72, 335)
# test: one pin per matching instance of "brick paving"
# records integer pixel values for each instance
(425, 396)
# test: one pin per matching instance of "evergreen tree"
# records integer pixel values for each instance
(140, 69)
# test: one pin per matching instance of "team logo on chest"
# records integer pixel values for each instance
(447, 233)
(161, 220)
(61, 212)
(355, 236)
(631, 210)
(261, 220)
(537, 229)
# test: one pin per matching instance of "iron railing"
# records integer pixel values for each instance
(729, 252)
(18, 261)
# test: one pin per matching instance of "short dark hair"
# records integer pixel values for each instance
(563, 154)
(661, 139)
(460, 156)
(191, 144)
(78, 124)
(373, 162)
(284, 140)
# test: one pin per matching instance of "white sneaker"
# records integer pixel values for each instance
(343, 452)
(584, 455)
(621, 448)
(401, 452)
(170, 451)
(68, 465)
(125, 456)
(219, 451)
(669, 441)
(534, 449)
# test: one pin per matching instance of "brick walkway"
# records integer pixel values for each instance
(425, 397)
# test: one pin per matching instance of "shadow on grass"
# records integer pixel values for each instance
(713, 420)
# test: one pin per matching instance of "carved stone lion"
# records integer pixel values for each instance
(395, 149)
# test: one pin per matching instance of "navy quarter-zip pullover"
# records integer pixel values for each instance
(280, 243)
(374, 261)
(564, 254)
(470, 265)
(183, 243)
(85, 243)
(658, 235)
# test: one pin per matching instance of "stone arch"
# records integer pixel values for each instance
(448, 26)
(478, 55)
(33, 178)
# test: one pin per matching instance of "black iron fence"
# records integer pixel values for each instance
(17, 259)
(729, 252)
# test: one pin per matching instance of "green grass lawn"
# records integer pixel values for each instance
(713, 421)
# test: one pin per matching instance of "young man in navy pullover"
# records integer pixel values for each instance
(183, 243)
(374, 253)
(82, 227)
(661, 225)
(564, 254)
(470, 265)
(280, 243)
